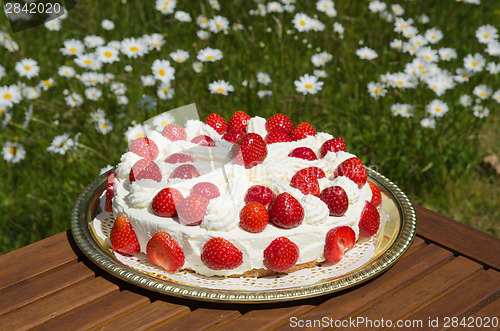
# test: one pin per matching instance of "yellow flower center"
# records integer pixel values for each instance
(474, 64)
(72, 50)
(13, 150)
(427, 57)
(210, 57)
(164, 123)
(161, 72)
(486, 36)
(27, 68)
(465, 76)
(134, 49)
(378, 91)
(437, 110)
(139, 135)
(400, 82)
(309, 86)
(203, 21)
(483, 94)
(165, 90)
(87, 61)
(104, 126)
(219, 25)
(7, 96)
(180, 59)
(433, 37)
(107, 54)
(47, 83)
(302, 23)
(220, 89)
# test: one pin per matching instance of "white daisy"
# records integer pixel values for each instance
(429, 123)
(74, 99)
(133, 47)
(104, 126)
(376, 90)
(465, 100)
(397, 10)
(209, 55)
(31, 92)
(396, 44)
(128, 68)
(463, 75)
(88, 61)
(220, 87)
(264, 94)
(486, 33)
(493, 48)
(496, 96)
(308, 84)
(263, 78)
(93, 93)
(197, 67)
(339, 28)
(53, 25)
(27, 68)
(118, 88)
(2, 72)
(179, 55)
(159, 122)
(45, 84)
(376, 6)
(482, 91)
(493, 68)
(427, 54)
(423, 19)
(401, 24)
(402, 109)
(61, 144)
(447, 54)
(302, 22)
(433, 35)
(9, 95)
(436, 108)
(480, 111)
(107, 24)
(320, 73)
(182, 16)
(97, 115)
(218, 24)
(154, 41)
(474, 62)
(137, 131)
(166, 6)
(162, 70)
(366, 53)
(93, 41)
(107, 54)
(418, 41)
(72, 47)
(214, 4)
(165, 92)
(91, 78)
(122, 100)
(13, 152)
(202, 34)
(274, 7)
(202, 21)
(148, 80)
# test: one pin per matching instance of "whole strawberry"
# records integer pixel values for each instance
(312, 171)
(166, 201)
(303, 130)
(144, 147)
(217, 122)
(110, 191)
(376, 194)
(285, 211)
(304, 153)
(145, 169)
(238, 122)
(337, 241)
(207, 189)
(174, 132)
(162, 250)
(123, 237)
(220, 254)
(203, 140)
(332, 145)
(336, 200)
(261, 194)
(353, 169)
(185, 171)
(254, 217)
(233, 136)
(192, 209)
(249, 150)
(281, 255)
(178, 158)
(370, 220)
(306, 182)
(279, 122)
(277, 136)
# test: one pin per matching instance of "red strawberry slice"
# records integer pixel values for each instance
(123, 237)
(376, 194)
(306, 182)
(110, 192)
(166, 201)
(145, 169)
(279, 122)
(238, 122)
(337, 241)
(304, 153)
(162, 250)
(220, 254)
(174, 132)
(192, 209)
(144, 147)
(336, 200)
(178, 158)
(261, 194)
(254, 217)
(281, 255)
(353, 169)
(370, 220)
(285, 211)
(249, 150)
(303, 130)
(233, 136)
(277, 136)
(332, 145)
(185, 171)
(312, 171)
(217, 122)
(209, 190)
(203, 140)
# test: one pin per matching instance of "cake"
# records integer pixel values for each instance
(246, 197)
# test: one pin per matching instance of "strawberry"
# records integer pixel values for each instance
(233, 136)
(337, 241)
(313, 171)
(285, 211)
(249, 150)
(185, 171)
(123, 237)
(336, 200)
(254, 217)
(192, 209)
(279, 122)
(303, 130)
(370, 220)
(277, 136)
(178, 158)
(304, 153)
(281, 255)
(332, 145)
(208, 190)
(306, 182)
(144, 147)
(220, 254)
(164, 251)
(353, 169)
(166, 201)
(145, 169)
(110, 192)
(261, 194)
(376, 194)
(174, 132)
(203, 140)
(238, 122)
(217, 122)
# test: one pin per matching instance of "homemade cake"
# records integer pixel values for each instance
(247, 197)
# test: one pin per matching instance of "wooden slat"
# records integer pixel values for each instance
(35, 288)
(462, 299)
(152, 315)
(459, 237)
(202, 318)
(485, 315)
(345, 303)
(418, 243)
(35, 259)
(54, 306)
(99, 313)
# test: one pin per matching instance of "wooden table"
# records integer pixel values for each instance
(450, 275)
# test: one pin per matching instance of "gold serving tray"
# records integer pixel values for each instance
(395, 238)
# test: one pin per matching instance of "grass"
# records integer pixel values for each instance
(438, 168)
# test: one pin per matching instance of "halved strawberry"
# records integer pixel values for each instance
(306, 182)
(303, 130)
(261, 194)
(110, 191)
(174, 132)
(336, 200)
(192, 209)
(376, 194)
(249, 150)
(233, 136)
(220, 254)
(337, 241)
(185, 171)
(203, 140)
(370, 220)
(254, 217)
(178, 158)
(332, 145)
(238, 122)
(285, 211)
(277, 136)
(145, 169)
(144, 147)
(304, 153)
(164, 251)
(207, 189)
(353, 169)
(166, 201)
(281, 255)
(217, 122)
(313, 171)
(279, 122)
(123, 237)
